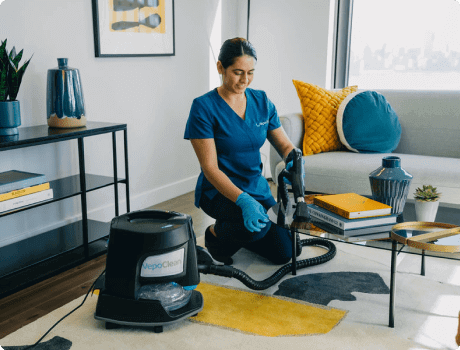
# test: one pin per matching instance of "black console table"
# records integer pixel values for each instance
(39, 257)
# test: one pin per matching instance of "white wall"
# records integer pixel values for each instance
(291, 38)
(152, 95)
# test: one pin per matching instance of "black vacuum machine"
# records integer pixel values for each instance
(151, 271)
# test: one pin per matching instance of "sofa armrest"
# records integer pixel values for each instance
(294, 127)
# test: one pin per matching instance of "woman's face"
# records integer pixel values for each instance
(237, 77)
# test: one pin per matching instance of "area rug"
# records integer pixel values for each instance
(426, 311)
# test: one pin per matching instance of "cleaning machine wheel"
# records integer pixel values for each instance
(111, 325)
(158, 329)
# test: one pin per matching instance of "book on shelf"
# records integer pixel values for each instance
(383, 231)
(24, 191)
(28, 199)
(344, 224)
(15, 179)
(352, 205)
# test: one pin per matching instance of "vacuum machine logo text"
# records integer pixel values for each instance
(163, 265)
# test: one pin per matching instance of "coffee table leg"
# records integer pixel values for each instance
(393, 283)
(422, 272)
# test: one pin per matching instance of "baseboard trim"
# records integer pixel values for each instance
(146, 199)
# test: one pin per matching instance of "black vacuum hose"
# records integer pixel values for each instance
(229, 271)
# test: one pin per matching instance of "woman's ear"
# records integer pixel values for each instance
(220, 67)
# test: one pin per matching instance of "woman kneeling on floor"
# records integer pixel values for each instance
(227, 127)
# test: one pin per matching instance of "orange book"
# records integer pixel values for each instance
(352, 205)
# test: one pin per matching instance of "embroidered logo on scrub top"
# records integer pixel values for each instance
(260, 124)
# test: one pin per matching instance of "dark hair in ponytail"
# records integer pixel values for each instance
(233, 48)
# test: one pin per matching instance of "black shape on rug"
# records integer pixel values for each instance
(57, 343)
(322, 288)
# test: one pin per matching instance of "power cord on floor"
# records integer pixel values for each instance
(49, 330)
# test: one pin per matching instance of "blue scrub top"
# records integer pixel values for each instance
(238, 141)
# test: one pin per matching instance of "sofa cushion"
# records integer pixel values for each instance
(367, 123)
(319, 108)
(344, 171)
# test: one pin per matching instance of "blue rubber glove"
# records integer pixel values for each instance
(254, 215)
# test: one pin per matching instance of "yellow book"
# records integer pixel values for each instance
(24, 191)
(352, 205)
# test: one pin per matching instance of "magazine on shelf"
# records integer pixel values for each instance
(383, 230)
(24, 191)
(12, 180)
(342, 223)
(28, 199)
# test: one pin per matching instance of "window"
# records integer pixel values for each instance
(400, 44)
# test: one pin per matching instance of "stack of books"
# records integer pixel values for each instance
(20, 188)
(350, 214)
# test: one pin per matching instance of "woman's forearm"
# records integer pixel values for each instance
(280, 142)
(222, 183)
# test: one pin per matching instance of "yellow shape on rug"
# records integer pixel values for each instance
(261, 314)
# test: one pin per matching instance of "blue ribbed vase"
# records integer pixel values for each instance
(65, 104)
(390, 184)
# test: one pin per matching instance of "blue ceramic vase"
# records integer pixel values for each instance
(390, 184)
(65, 104)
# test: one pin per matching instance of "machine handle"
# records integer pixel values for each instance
(142, 216)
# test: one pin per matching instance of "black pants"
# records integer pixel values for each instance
(272, 242)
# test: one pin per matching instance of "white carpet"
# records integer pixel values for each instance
(426, 312)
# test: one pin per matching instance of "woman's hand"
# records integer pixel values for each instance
(254, 215)
(290, 163)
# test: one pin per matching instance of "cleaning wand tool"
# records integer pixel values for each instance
(294, 175)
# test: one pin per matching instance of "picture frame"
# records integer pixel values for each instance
(133, 28)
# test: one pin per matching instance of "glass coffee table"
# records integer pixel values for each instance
(426, 238)
(437, 240)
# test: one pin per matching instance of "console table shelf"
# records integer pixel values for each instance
(69, 187)
(41, 256)
(42, 248)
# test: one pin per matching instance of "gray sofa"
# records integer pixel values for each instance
(429, 149)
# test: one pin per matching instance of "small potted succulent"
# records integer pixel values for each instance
(426, 203)
(10, 81)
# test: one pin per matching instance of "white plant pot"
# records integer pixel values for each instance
(426, 211)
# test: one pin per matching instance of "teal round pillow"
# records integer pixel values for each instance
(366, 123)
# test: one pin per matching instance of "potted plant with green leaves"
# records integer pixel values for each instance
(426, 203)
(10, 81)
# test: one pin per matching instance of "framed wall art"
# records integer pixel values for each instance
(133, 28)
